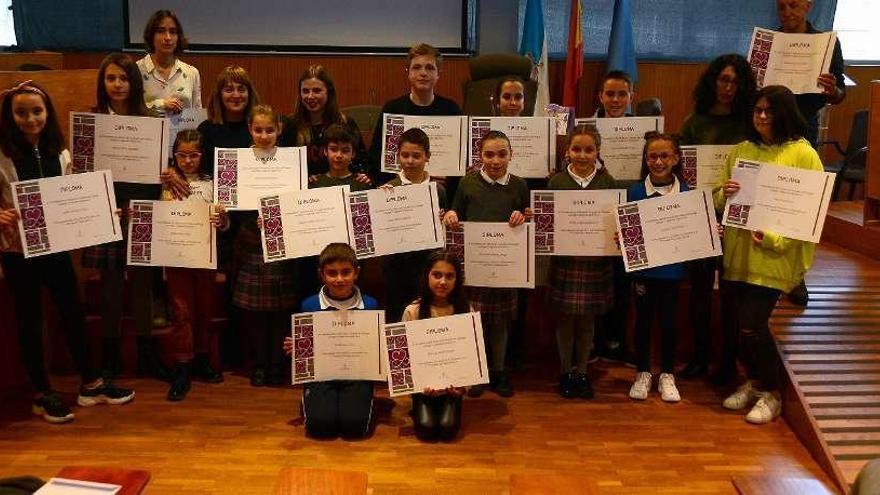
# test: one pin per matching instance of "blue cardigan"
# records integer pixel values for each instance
(313, 303)
(675, 271)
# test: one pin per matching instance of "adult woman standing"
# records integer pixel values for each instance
(722, 109)
(170, 85)
(315, 110)
(759, 266)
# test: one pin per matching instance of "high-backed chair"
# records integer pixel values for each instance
(851, 168)
(365, 116)
(486, 72)
(649, 107)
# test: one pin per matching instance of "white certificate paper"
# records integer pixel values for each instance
(242, 175)
(189, 118)
(171, 233)
(134, 148)
(532, 140)
(397, 220)
(791, 202)
(67, 212)
(498, 255)
(576, 223)
(703, 165)
(446, 133)
(623, 140)
(668, 229)
(64, 486)
(301, 223)
(338, 345)
(435, 353)
(793, 60)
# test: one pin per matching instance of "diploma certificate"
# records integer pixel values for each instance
(135, 149)
(702, 166)
(668, 229)
(67, 212)
(302, 223)
(498, 255)
(189, 118)
(397, 220)
(791, 202)
(576, 223)
(171, 233)
(242, 177)
(623, 140)
(446, 133)
(793, 60)
(435, 353)
(532, 139)
(338, 345)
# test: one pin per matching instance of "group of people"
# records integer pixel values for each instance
(765, 125)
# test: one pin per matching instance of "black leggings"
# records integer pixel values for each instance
(26, 278)
(757, 349)
(436, 417)
(656, 296)
(266, 331)
(338, 408)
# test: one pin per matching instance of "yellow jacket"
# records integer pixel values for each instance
(778, 262)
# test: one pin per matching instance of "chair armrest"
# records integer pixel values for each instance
(835, 144)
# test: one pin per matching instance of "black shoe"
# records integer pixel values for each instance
(50, 407)
(799, 295)
(424, 418)
(619, 355)
(181, 384)
(583, 386)
(148, 362)
(476, 390)
(275, 379)
(111, 359)
(258, 378)
(105, 393)
(203, 372)
(724, 375)
(566, 386)
(449, 422)
(501, 385)
(694, 369)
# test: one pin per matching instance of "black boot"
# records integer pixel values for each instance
(424, 418)
(111, 358)
(203, 371)
(181, 384)
(148, 362)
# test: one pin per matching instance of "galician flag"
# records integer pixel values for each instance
(534, 45)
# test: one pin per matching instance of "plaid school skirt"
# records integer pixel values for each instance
(262, 286)
(496, 305)
(581, 285)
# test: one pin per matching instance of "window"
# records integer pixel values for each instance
(858, 30)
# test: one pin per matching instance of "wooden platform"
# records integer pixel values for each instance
(831, 351)
(845, 226)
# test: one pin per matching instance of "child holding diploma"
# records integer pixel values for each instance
(414, 151)
(437, 413)
(759, 266)
(656, 289)
(265, 292)
(191, 290)
(33, 148)
(581, 287)
(337, 407)
(493, 195)
(120, 92)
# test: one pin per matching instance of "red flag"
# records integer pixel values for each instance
(574, 60)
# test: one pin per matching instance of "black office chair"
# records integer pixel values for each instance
(649, 107)
(851, 168)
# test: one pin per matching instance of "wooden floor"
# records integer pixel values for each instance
(833, 350)
(231, 438)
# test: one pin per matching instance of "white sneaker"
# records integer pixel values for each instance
(768, 408)
(640, 386)
(744, 396)
(666, 387)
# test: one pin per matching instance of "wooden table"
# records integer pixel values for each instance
(132, 481)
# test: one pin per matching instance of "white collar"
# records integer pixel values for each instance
(502, 181)
(651, 189)
(406, 182)
(583, 181)
(353, 302)
(151, 67)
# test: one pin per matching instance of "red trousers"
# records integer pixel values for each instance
(191, 293)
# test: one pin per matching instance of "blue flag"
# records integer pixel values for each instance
(621, 48)
(532, 42)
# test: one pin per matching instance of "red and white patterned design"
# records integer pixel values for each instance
(632, 237)
(361, 223)
(270, 211)
(227, 177)
(83, 133)
(303, 348)
(398, 359)
(760, 55)
(33, 218)
(738, 214)
(544, 222)
(479, 128)
(141, 232)
(394, 127)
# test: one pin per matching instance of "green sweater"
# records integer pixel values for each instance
(564, 181)
(778, 262)
(478, 201)
(441, 191)
(325, 180)
(701, 128)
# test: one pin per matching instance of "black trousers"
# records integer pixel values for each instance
(656, 296)
(702, 278)
(26, 278)
(338, 408)
(757, 349)
(612, 325)
(266, 331)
